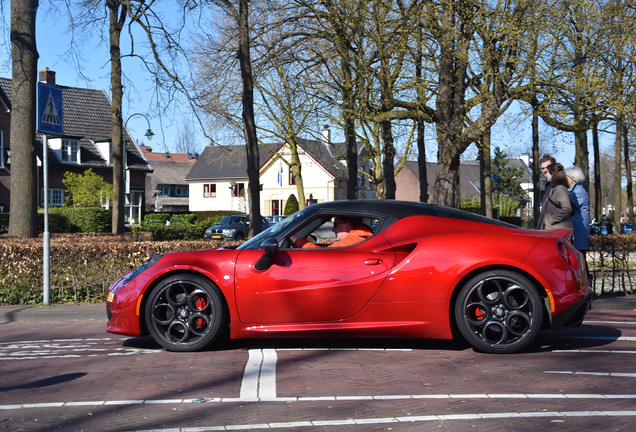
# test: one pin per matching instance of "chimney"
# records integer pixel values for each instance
(47, 76)
(326, 134)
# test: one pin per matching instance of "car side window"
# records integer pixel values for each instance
(334, 231)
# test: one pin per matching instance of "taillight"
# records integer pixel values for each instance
(568, 255)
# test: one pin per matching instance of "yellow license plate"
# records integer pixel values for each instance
(110, 297)
(216, 237)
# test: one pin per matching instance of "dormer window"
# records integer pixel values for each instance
(70, 152)
(106, 149)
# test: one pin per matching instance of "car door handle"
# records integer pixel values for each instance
(373, 261)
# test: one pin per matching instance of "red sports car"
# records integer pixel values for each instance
(414, 271)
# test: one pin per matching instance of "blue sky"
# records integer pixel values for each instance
(53, 42)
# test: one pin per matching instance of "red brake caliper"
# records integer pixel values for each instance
(479, 314)
(200, 306)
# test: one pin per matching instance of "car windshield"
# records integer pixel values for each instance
(232, 220)
(274, 230)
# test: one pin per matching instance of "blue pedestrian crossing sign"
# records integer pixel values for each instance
(50, 110)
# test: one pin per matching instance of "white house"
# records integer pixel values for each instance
(218, 180)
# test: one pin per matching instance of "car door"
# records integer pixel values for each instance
(309, 285)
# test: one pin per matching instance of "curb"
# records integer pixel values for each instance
(54, 313)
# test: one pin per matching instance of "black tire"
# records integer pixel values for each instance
(499, 312)
(185, 313)
(239, 236)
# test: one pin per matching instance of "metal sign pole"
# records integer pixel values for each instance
(47, 237)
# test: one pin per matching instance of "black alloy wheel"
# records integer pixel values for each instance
(185, 313)
(499, 312)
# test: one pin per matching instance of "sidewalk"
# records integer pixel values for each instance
(97, 311)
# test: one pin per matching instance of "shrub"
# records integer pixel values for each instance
(4, 222)
(155, 218)
(176, 231)
(86, 190)
(72, 219)
(291, 206)
(183, 218)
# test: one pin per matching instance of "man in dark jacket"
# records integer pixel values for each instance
(545, 162)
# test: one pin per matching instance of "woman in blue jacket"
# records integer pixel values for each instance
(580, 208)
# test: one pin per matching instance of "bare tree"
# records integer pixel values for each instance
(186, 138)
(23, 220)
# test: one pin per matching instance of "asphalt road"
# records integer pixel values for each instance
(70, 375)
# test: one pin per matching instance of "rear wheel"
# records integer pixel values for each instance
(185, 313)
(499, 312)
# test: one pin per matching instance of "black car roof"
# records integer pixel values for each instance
(401, 209)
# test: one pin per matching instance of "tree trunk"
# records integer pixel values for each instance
(117, 17)
(628, 175)
(447, 178)
(249, 125)
(598, 191)
(23, 219)
(536, 168)
(388, 166)
(421, 161)
(617, 173)
(486, 177)
(349, 130)
(296, 168)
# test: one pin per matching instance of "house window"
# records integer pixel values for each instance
(70, 151)
(56, 197)
(292, 181)
(181, 190)
(209, 190)
(238, 190)
(132, 208)
(276, 206)
(163, 189)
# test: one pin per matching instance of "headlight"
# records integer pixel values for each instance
(152, 261)
(208, 231)
(228, 231)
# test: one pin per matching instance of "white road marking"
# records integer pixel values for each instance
(546, 396)
(609, 374)
(595, 351)
(610, 322)
(344, 349)
(612, 338)
(65, 348)
(259, 377)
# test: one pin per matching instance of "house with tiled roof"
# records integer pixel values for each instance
(218, 180)
(85, 144)
(166, 187)
(407, 181)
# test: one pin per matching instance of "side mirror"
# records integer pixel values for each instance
(269, 248)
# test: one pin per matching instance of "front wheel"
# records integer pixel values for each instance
(185, 313)
(499, 312)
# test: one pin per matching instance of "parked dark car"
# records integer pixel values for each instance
(273, 220)
(233, 227)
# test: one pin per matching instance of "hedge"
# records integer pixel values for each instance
(70, 219)
(82, 265)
